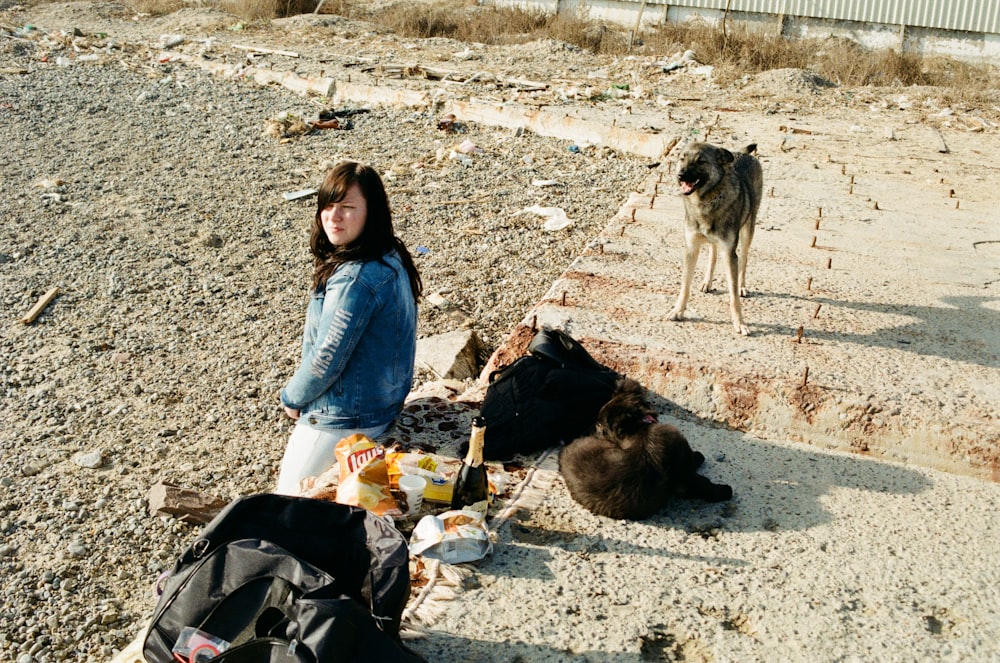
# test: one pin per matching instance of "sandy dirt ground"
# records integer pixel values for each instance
(846, 539)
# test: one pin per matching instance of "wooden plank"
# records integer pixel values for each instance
(942, 146)
(39, 306)
(270, 51)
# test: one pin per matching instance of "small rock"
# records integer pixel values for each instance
(32, 469)
(91, 460)
(453, 355)
(213, 241)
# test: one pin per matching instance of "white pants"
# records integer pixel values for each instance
(310, 452)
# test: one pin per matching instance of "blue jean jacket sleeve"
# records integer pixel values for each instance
(347, 310)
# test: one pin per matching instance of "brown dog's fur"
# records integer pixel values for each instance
(631, 466)
(722, 193)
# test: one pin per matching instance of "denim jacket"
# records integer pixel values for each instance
(358, 348)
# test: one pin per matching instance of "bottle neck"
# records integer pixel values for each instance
(474, 458)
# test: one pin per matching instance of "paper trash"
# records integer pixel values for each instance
(453, 537)
(557, 219)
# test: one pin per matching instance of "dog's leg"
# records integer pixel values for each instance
(697, 459)
(702, 487)
(746, 236)
(732, 280)
(706, 285)
(692, 245)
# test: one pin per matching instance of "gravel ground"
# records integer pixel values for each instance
(148, 193)
(150, 196)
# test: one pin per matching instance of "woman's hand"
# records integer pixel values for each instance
(291, 412)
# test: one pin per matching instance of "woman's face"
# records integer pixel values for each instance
(343, 222)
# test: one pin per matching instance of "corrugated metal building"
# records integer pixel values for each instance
(968, 29)
(961, 15)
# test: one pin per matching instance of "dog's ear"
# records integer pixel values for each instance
(725, 156)
(629, 386)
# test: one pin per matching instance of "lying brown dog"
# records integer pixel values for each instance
(631, 466)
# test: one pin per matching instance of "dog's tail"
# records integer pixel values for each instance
(751, 148)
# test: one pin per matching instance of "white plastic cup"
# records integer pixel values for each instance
(412, 485)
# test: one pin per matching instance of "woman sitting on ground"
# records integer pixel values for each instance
(361, 325)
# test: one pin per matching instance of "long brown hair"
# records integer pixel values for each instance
(376, 239)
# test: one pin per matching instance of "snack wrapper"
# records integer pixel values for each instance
(453, 537)
(437, 470)
(364, 477)
(424, 465)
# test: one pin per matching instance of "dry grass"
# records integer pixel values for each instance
(736, 51)
(151, 7)
(491, 25)
(253, 10)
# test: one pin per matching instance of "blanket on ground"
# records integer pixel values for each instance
(437, 419)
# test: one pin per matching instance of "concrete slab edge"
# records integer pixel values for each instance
(541, 122)
(765, 406)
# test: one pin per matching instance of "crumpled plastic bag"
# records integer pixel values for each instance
(453, 537)
(556, 216)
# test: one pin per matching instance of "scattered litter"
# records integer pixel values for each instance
(557, 219)
(454, 537)
(468, 147)
(447, 123)
(39, 306)
(541, 183)
(679, 61)
(331, 124)
(335, 114)
(423, 250)
(286, 125)
(463, 159)
(467, 54)
(265, 51)
(301, 193)
(169, 41)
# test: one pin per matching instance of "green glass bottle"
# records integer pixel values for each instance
(472, 489)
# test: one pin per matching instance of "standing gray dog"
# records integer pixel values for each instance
(722, 193)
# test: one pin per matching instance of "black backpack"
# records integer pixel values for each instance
(287, 579)
(550, 396)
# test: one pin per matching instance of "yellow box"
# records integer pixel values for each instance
(439, 490)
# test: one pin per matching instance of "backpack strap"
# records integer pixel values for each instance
(509, 368)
